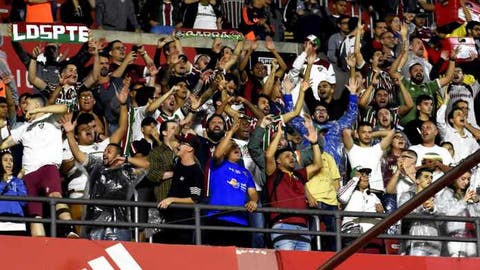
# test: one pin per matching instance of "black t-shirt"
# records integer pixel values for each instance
(187, 182)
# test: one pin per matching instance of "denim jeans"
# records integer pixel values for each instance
(329, 221)
(291, 244)
(257, 220)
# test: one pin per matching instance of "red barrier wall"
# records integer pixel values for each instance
(65, 254)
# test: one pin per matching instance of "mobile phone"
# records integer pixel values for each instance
(135, 48)
(478, 191)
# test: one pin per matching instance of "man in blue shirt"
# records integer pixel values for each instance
(230, 184)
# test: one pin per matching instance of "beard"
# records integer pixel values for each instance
(104, 72)
(215, 135)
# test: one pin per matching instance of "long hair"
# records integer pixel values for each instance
(2, 170)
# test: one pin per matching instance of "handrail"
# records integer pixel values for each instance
(197, 208)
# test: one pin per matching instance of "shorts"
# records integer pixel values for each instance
(43, 181)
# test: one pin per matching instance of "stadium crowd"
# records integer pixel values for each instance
(357, 122)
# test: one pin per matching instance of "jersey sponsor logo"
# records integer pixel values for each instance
(234, 183)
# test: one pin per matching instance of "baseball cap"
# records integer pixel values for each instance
(190, 139)
(360, 169)
(314, 39)
(432, 156)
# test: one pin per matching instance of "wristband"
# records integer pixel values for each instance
(452, 59)
(315, 143)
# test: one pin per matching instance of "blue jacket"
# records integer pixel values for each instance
(15, 187)
(333, 137)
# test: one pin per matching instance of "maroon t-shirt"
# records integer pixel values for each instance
(290, 193)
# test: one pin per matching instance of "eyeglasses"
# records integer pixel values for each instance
(86, 97)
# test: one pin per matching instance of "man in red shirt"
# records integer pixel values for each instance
(285, 187)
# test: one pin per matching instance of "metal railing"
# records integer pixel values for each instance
(197, 217)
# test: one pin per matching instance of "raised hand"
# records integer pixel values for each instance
(351, 60)
(122, 96)
(66, 122)
(288, 85)
(36, 51)
(305, 85)
(312, 136)
(269, 44)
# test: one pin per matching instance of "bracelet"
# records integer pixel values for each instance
(315, 143)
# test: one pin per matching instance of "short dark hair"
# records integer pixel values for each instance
(363, 124)
(421, 170)
(455, 104)
(342, 17)
(38, 97)
(3, 100)
(450, 114)
(83, 119)
(352, 23)
(109, 46)
(413, 153)
(148, 121)
(144, 94)
(117, 146)
(281, 151)
(164, 126)
(422, 98)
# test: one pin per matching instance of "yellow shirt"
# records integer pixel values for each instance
(321, 185)
(460, 31)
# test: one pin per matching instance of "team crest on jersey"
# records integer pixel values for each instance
(41, 125)
(234, 183)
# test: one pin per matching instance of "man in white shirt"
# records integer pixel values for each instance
(366, 155)
(429, 131)
(455, 132)
(41, 132)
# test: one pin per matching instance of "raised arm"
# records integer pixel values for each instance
(270, 165)
(225, 143)
(55, 109)
(270, 45)
(407, 98)
(122, 97)
(347, 139)
(312, 137)
(299, 105)
(69, 127)
(256, 112)
(387, 140)
(158, 102)
(367, 95)
(32, 70)
(129, 58)
(268, 86)
(450, 70)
